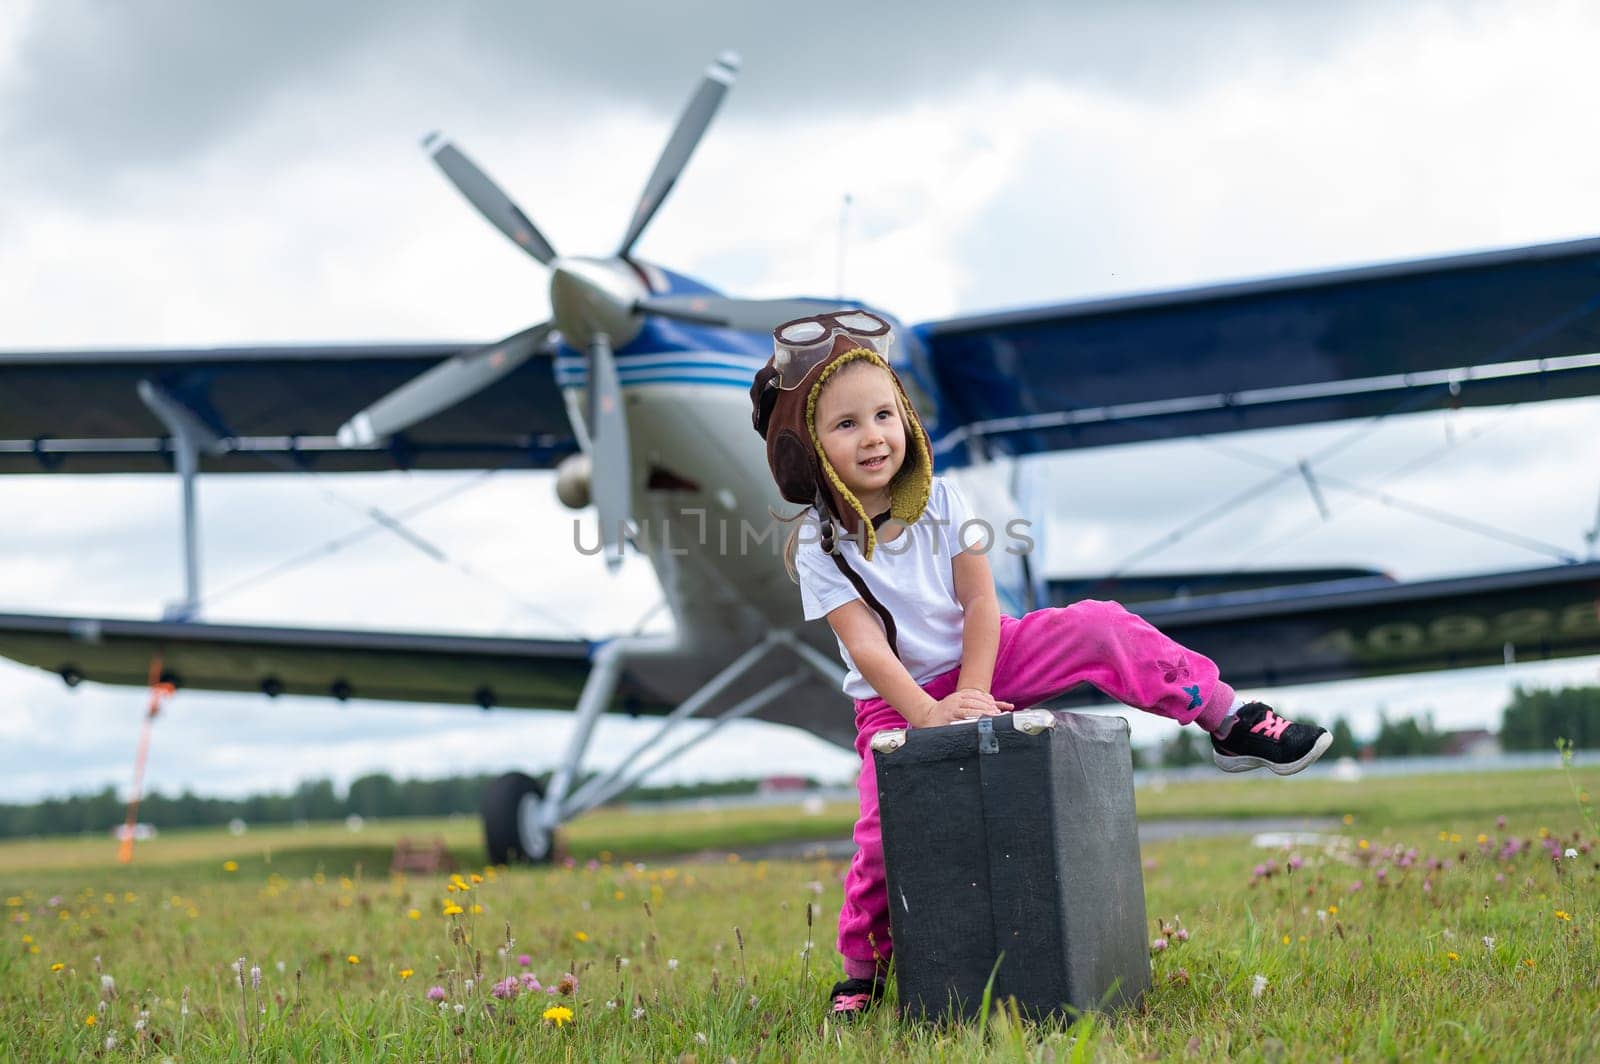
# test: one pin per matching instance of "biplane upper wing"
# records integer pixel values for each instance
(388, 666)
(1507, 326)
(279, 407)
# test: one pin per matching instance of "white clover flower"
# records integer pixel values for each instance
(460, 1009)
(638, 1013)
(1571, 854)
(108, 985)
(1488, 942)
(611, 1004)
(111, 1041)
(1258, 985)
(623, 961)
(699, 1039)
(467, 984)
(282, 967)
(672, 964)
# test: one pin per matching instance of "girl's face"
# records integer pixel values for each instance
(862, 433)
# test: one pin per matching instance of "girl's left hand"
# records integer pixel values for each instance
(976, 702)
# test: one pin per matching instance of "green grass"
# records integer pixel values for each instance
(1362, 973)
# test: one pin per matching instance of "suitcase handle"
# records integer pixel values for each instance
(1027, 721)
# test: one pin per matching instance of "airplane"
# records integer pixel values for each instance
(635, 392)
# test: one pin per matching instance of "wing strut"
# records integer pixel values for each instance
(190, 436)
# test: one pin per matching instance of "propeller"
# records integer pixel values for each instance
(611, 486)
(442, 387)
(691, 126)
(487, 196)
(595, 304)
(750, 315)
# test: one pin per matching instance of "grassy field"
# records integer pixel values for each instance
(1440, 920)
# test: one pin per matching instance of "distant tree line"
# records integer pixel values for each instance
(1536, 719)
(374, 796)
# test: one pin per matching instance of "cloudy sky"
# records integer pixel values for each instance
(194, 173)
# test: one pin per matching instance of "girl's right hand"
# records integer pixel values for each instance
(968, 703)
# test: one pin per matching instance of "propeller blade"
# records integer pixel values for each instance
(442, 387)
(487, 196)
(691, 126)
(750, 315)
(611, 480)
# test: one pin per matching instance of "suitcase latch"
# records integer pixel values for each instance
(987, 743)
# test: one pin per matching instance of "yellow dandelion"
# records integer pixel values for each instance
(230, 866)
(406, 973)
(452, 909)
(1349, 819)
(582, 936)
(1285, 940)
(450, 888)
(1454, 837)
(1333, 910)
(1444, 836)
(130, 897)
(476, 878)
(89, 1020)
(557, 1014)
(1562, 914)
(1544, 833)
(1482, 838)
(319, 879)
(353, 959)
(476, 909)
(26, 939)
(57, 966)
(1453, 956)
(618, 895)
(1363, 844)
(33, 949)
(1528, 961)
(414, 914)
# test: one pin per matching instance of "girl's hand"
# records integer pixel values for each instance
(969, 703)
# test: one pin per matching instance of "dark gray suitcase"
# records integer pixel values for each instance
(1012, 839)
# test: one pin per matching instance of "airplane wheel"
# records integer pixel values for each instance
(505, 802)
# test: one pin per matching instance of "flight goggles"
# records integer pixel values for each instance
(799, 346)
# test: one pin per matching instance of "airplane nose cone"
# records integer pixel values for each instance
(589, 296)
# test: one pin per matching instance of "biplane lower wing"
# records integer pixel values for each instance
(1267, 637)
(387, 666)
(1349, 629)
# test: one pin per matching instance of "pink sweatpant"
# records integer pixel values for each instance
(1040, 656)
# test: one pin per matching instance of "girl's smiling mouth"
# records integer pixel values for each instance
(876, 463)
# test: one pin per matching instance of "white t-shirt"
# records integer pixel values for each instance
(911, 576)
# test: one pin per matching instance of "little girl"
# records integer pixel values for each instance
(915, 612)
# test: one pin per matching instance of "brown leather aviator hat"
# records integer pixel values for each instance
(806, 353)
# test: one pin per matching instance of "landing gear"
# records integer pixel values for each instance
(511, 821)
(520, 817)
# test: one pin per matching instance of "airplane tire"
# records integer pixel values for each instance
(502, 805)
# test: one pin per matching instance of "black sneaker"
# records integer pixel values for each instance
(851, 999)
(1260, 738)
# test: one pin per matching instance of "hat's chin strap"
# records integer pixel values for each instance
(830, 547)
